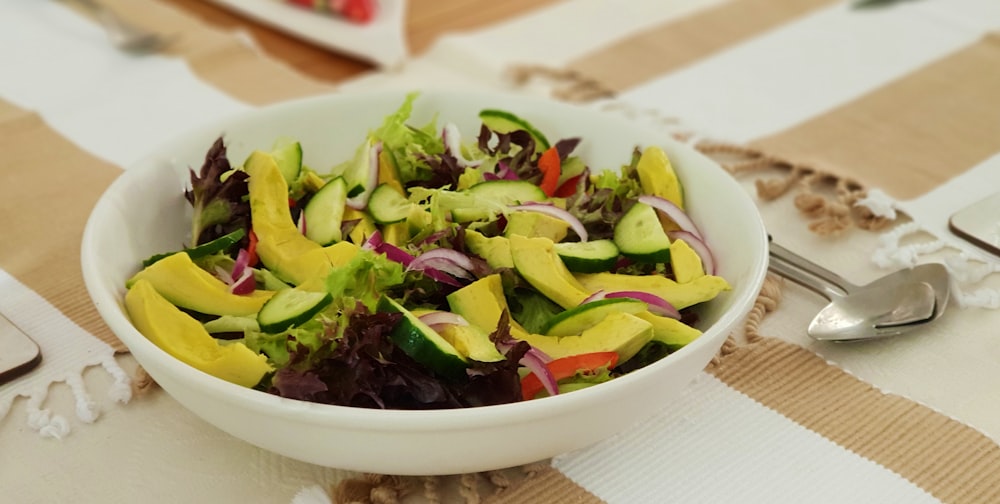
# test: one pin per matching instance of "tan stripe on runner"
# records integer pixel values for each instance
(680, 42)
(913, 134)
(948, 459)
(47, 189)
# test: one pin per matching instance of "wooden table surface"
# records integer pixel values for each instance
(426, 20)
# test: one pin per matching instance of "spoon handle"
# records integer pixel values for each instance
(807, 273)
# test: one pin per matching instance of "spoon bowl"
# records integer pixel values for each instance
(891, 305)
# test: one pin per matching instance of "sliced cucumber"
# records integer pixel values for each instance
(502, 121)
(215, 246)
(289, 308)
(386, 205)
(288, 155)
(575, 321)
(588, 257)
(422, 343)
(325, 212)
(640, 236)
(231, 324)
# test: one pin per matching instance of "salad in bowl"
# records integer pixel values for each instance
(444, 258)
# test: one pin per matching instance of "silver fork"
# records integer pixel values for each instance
(124, 35)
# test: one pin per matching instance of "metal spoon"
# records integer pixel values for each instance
(124, 35)
(891, 305)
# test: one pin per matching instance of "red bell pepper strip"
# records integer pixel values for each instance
(568, 188)
(252, 249)
(566, 367)
(550, 166)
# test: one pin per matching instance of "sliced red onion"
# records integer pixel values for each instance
(450, 261)
(699, 246)
(223, 275)
(656, 304)
(453, 142)
(488, 176)
(433, 237)
(360, 201)
(373, 242)
(242, 261)
(674, 212)
(559, 213)
(538, 367)
(245, 284)
(597, 296)
(438, 320)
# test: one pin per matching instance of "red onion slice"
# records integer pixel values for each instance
(656, 304)
(245, 284)
(505, 173)
(447, 260)
(674, 212)
(559, 213)
(242, 261)
(438, 320)
(699, 246)
(360, 201)
(538, 367)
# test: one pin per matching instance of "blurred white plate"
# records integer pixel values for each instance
(382, 41)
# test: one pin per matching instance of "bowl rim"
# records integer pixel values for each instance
(113, 314)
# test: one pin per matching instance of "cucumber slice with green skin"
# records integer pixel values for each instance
(325, 212)
(499, 193)
(588, 257)
(502, 121)
(640, 236)
(291, 307)
(387, 206)
(574, 321)
(215, 246)
(231, 323)
(289, 159)
(422, 343)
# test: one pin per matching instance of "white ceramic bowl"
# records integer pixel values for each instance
(144, 212)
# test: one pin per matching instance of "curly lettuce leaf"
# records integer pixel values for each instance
(409, 146)
(219, 197)
(364, 278)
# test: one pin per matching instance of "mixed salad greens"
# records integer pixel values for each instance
(427, 271)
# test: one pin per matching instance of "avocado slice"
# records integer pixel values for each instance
(185, 284)
(534, 224)
(183, 337)
(495, 250)
(670, 332)
(685, 262)
(280, 246)
(538, 263)
(619, 332)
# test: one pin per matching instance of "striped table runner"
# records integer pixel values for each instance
(903, 98)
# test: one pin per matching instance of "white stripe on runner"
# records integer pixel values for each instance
(754, 453)
(773, 81)
(113, 105)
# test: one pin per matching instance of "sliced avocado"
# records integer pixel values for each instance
(619, 332)
(495, 250)
(657, 176)
(184, 284)
(534, 224)
(680, 295)
(670, 332)
(538, 263)
(482, 303)
(472, 341)
(183, 337)
(685, 262)
(280, 246)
